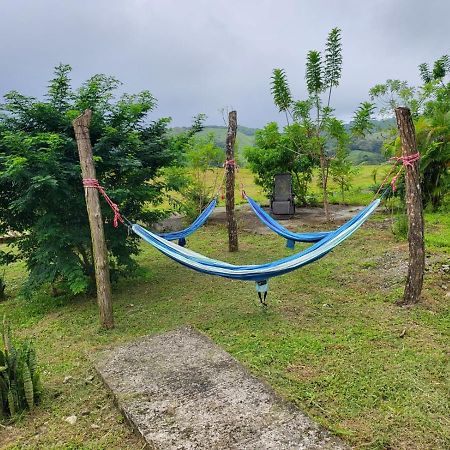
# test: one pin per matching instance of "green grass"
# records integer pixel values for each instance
(359, 194)
(332, 341)
(438, 236)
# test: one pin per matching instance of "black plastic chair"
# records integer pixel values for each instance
(282, 202)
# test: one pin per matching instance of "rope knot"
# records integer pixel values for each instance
(406, 160)
(94, 184)
(230, 163)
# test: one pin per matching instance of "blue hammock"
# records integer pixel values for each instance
(261, 272)
(290, 236)
(198, 222)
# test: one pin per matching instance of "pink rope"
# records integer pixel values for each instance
(231, 163)
(407, 160)
(94, 184)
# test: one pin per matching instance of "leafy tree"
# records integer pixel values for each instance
(430, 105)
(202, 156)
(393, 93)
(342, 172)
(281, 92)
(41, 195)
(321, 134)
(276, 152)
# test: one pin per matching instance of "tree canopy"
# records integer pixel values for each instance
(41, 194)
(430, 106)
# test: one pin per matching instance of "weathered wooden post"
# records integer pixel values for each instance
(414, 208)
(101, 263)
(230, 166)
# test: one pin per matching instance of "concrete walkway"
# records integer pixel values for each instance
(181, 391)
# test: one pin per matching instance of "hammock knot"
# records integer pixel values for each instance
(406, 160)
(230, 163)
(94, 184)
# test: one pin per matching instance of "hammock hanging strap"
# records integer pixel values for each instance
(94, 184)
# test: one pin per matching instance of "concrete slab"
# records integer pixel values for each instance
(181, 391)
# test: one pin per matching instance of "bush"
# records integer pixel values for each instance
(19, 378)
(41, 195)
(279, 152)
(191, 182)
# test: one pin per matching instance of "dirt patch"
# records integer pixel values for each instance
(302, 372)
(312, 218)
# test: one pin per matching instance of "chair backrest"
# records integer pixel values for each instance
(282, 188)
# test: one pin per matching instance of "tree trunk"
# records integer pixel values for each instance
(100, 252)
(414, 210)
(230, 167)
(324, 170)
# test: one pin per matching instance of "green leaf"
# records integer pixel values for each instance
(313, 76)
(280, 90)
(333, 59)
(28, 386)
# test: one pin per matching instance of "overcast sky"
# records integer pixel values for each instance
(204, 55)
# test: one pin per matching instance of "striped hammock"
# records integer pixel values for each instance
(198, 222)
(258, 272)
(275, 226)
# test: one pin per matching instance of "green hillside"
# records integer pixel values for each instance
(367, 150)
(245, 137)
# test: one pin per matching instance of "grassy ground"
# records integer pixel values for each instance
(332, 340)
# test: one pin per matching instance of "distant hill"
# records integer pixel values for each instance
(367, 150)
(245, 137)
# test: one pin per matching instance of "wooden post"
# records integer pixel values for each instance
(414, 210)
(101, 263)
(230, 171)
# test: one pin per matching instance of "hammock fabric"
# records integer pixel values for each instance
(290, 236)
(198, 222)
(262, 272)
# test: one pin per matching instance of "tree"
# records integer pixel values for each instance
(277, 152)
(41, 195)
(322, 135)
(201, 156)
(430, 107)
(342, 172)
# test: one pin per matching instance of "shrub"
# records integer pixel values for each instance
(19, 378)
(41, 195)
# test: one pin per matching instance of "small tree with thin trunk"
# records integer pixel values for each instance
(324, 132)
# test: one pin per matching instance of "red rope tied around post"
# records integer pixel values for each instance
(94, 184)
(406, 161)
(230, 163)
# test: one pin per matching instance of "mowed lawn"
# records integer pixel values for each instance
(332, 340)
